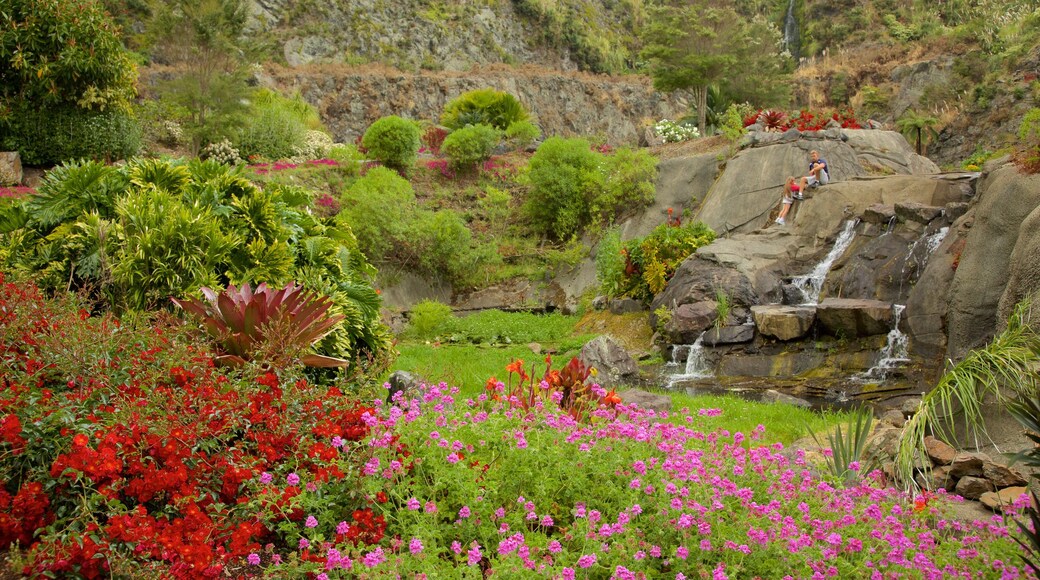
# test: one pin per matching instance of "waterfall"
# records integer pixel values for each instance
(892, 354)
(791, 31)
(931, 243)
(696, 363)
(812, 283)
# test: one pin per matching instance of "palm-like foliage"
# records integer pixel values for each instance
(70, 190)
(919, 128)
(272, 326)
(138, 234)
(1006, 364)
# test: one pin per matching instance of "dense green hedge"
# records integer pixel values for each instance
(133, 236)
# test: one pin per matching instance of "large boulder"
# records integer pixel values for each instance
(736, 334)
(700, 280)
(750, 188)
(1006, 198)
(851, 318)
(614, 366)
(783, 322)
(646, 400)
(689, 321)
(1024, 275)
(10, 168)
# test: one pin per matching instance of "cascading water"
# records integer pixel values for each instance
(812, 283)
(893, 354)
(918, 259)
(791, 31)
(695, 366)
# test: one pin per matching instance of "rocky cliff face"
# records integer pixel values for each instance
(409, 33)
(349, 99)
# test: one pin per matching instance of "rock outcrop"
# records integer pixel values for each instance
(563, 103)
(614, 366)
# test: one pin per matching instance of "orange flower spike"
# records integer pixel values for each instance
(612, 398)
(516, 366)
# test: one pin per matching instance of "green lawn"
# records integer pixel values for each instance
(486, 342)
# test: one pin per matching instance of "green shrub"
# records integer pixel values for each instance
(428, 318)
(134, 235)
(610, 263)
(393, 141)
(574, 187)
(565, 177)
(47, 137)
(58, 55)
(444, 245)
(629, 176)
(277, 126)
(379, 208)
(521, 134)
(483, 106)
(470, 145)
(641, 268)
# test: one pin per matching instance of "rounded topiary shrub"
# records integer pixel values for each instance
(565, 179)
(428, 318)
(488, 106)
(379, 208)
(393, 141)
(470, 145)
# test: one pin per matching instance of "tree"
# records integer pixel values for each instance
(66, 82)
(62, 53)
(693, 45)
(918, 128)
(202, 40)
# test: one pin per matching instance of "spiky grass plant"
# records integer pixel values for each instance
(1003, 369)
(847, 447)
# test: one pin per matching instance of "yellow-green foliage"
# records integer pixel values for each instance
(641, 268)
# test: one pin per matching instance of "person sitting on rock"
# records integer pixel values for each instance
(817, 173)
(791, 192)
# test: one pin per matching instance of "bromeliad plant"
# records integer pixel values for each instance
(267, 325)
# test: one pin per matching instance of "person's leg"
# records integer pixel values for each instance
(824, 177)
(803, 183)
(785, 207)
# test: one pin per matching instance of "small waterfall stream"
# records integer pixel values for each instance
(812, 283)
(695, 366)
(893, 353)
(917, 259)
(791, 31)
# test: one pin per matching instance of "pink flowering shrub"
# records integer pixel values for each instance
(528, 491)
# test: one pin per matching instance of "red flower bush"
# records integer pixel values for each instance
(141, 417)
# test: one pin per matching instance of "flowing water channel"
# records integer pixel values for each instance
(811, 284)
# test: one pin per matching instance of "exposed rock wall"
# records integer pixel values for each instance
(1005, 199)
(349, 99)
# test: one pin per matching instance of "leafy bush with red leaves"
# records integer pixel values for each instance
(805, 120)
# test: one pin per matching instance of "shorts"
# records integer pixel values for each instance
(811, 181)
(788, 201)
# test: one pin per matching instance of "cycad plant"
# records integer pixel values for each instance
(273, 327)
(1004, 369)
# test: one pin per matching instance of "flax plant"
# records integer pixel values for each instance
(1003, 369)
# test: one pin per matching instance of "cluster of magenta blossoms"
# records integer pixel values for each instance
(473, 488)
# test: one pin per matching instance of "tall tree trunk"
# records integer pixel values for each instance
(700, 94)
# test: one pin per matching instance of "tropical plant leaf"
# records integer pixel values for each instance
(1006, 366)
